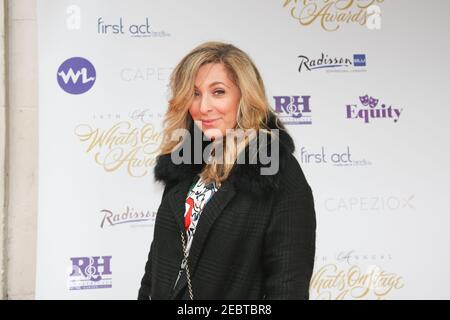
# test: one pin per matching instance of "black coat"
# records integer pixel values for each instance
(255, 238)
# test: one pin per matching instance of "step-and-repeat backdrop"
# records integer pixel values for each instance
(362, 85)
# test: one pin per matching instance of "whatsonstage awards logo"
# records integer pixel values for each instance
(129, 216)
(295, 110)
(141, 29)
(76, 75)
(342, 157)
(128, 145)
(354, 276)
(368, 109)
(355, 63)
(90, 273)
(331, 14)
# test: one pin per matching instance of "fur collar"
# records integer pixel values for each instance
(245, 177)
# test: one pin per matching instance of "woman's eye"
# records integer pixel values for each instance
(217, 92)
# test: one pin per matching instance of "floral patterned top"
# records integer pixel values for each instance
(199, 194)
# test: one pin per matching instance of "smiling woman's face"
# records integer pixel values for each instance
(216, 101)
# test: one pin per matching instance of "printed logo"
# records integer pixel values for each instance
(293, 109)
(90, 273)
(363, 204)
(73, 21)
(129, 216)
(331, 14)
(76, 75)
(370, 109)
(359, 60)
(121, 145)
(354, 276)
(373, 17)
(135, 30)
(356, 63)
(158, 74)
(343, 158)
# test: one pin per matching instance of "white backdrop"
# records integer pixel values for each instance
(381, 187)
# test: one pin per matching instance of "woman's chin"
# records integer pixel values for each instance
(212, 134)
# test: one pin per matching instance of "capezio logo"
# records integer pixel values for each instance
(76, 75)
(90, 273)
(293, 109)
(371, 110)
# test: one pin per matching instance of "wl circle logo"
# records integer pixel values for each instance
(76, 75)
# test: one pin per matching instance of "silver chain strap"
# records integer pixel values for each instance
(186, 264)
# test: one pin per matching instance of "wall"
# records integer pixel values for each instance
(18, 140)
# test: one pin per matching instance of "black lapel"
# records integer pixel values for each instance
(212, 210)
(177, 201)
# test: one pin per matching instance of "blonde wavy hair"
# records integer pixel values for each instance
(253, 110)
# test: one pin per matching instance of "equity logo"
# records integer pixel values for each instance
(76, 75)
(369, 109)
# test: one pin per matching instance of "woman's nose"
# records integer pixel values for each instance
(205, 104)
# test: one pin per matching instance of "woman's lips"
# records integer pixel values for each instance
(209, 123)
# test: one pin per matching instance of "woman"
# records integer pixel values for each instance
(225, 230)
